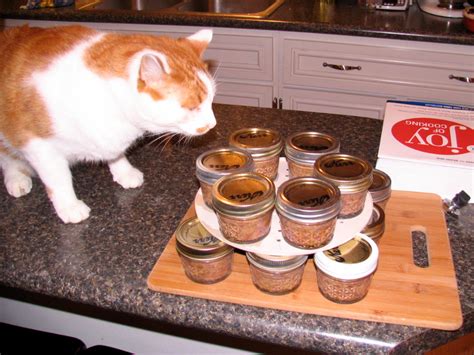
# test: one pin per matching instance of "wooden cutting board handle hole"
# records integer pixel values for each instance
(419, 244)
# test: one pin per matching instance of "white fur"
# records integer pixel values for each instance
(97, 119)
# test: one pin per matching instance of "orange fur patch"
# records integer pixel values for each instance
(111, 56)
(24, 50)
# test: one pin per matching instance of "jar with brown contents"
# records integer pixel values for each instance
(216, 163)
(380, 190)
(308, 208)
(344, 273)
(264, 145)
(205, 258)
(351, 174)
(276, 275)
(376, 226)
(302, 149)
(244, 205)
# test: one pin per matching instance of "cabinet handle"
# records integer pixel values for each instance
(342, 66)
(465, 79)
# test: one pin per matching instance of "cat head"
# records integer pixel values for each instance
(174, 86)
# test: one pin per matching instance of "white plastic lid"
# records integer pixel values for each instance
(352, 260)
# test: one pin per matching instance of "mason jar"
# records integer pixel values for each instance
(244, 204)
(216, 163)
(276, 275)
(376, 226)
(205, 258)
(308, 208)
(263, 144)
(380, 190)
(303, 148)
(344, 273)
(351, 174)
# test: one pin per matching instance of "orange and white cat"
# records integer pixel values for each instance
(71, 94)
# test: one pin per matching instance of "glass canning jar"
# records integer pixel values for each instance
(344, 273)
(276, 275)
(351, 174)
(380, 190)
(244, 204)
(376, 226)
(216, 163)
(308, 208)
(264, 145)
(205, 258)
(303, 148)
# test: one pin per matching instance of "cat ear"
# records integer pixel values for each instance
(200, 40)
(152, 67)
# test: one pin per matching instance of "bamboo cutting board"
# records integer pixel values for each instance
(400, 292)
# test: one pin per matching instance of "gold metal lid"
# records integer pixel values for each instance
(381, 186)
(306, 147)
(243, 194)
(276, 262)
(376, 226)
(350, 173)
(259, 142)
(215, 163)
(308, 198)
(193, 240)
(354, 251)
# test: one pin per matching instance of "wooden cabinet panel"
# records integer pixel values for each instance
(333, 102)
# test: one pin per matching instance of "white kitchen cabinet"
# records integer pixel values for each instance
(355, 75)
(347, 75)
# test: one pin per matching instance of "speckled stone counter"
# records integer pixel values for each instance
(100, 266)
(341, 17)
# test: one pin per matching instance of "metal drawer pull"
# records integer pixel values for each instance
(465, 79)
(341, 66)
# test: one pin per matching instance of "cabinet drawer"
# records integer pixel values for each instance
(334, 102)
(376, 66)
(244, 94)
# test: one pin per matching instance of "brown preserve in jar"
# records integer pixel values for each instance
(205, 258)
(276, 275)
(308, 208)
(351, 174)
(344, 273)
(244, 205)
(264, 145)
(380, 190)
(303, 148)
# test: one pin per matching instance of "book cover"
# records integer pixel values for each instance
(428, 147)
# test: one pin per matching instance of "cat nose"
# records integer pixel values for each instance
(202, 130)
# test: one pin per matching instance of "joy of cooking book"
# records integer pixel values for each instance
(428, 147)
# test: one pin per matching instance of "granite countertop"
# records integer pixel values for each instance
(342, 17)
(99, 267)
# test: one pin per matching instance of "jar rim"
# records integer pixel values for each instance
(346, 271)
(335, 167)
(208, 174)
(262, 151)
(248, 204)
(324, 204)
(297, 153)
(276, 262)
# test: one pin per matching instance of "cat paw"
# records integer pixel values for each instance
(130, 179)
(19, 185)
(74, 212)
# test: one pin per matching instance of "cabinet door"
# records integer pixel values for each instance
(244, 94)
(402, 69)
(333, 102)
